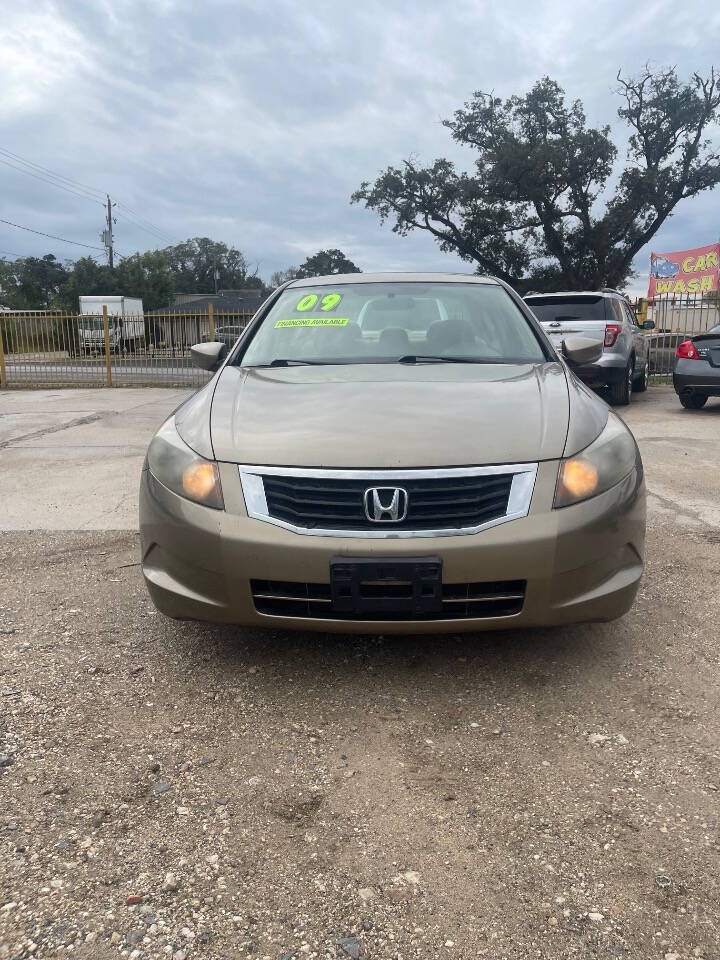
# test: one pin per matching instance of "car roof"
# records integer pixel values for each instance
(577, 293)
(338, 278)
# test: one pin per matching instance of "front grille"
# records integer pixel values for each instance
(433, 503)
(460, 601)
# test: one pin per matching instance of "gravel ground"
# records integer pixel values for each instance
(178, 790)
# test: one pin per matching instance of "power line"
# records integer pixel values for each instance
(51, 236)
(37, 176)
(143, 223)
(76, 189)
(157, 236)
(88, 192)
(57, 176)
(148, 228)
(83, 191)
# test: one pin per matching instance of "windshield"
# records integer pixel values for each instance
(91, 323)
(386, 322)
(559, 309)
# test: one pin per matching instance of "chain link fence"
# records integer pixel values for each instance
(54, 349)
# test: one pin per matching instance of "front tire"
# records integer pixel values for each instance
(693, 401)
(621, 392)
(642, 384)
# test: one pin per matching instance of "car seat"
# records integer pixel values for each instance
(394, 340)
(453, 335)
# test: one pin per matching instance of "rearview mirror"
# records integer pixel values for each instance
(648, 325)
(208, 356)
(579, 351)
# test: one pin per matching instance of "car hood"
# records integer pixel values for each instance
(388, 416)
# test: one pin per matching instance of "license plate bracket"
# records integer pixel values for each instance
(408, 588)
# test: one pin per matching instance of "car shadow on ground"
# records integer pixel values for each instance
(671, 402)
(532, 656)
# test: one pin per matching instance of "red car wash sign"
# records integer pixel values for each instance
(688, 271)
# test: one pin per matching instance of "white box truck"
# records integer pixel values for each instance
(126, 323)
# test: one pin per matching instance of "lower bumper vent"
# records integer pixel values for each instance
(460, 601)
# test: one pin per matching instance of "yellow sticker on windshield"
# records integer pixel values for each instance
(307, 302)
(312, 322)
(330, 301)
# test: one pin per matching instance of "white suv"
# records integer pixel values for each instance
(601, 315)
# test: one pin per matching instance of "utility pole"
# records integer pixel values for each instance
(108, 233)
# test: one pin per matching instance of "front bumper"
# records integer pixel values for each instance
(581, 563)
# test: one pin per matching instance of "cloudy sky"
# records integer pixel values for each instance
(252, 122)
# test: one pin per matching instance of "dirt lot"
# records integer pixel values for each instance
(177, 790)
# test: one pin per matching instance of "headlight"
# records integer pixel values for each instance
(607, 461)
(176, 466)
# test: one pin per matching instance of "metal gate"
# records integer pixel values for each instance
(54, 349)
(676, 319)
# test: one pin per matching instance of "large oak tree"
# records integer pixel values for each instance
(549, 204)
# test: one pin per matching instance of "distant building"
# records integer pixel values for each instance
(224, 301)
(185, 320)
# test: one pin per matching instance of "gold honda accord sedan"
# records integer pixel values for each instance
(393, 453)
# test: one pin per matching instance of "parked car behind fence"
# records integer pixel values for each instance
(677, 319)
(696, 371)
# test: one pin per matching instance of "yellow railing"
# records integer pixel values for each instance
(52, 349)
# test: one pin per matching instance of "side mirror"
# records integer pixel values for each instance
(579, 351)
(648, 325)
(208, 356)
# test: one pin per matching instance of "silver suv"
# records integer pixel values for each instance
(600, 315)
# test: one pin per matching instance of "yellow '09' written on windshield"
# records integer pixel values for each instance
(310, 301)
(314, 302)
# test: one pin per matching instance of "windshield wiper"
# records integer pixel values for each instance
(422, 357)
(290, 361)
(407, 358)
